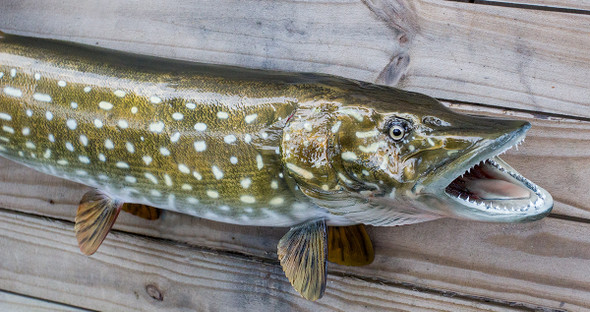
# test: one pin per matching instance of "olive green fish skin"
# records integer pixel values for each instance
(236, 145)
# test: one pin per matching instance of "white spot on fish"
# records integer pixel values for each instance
(353, 113)
(155, 100)
(130, 147)
(300, 171)
(51, 138)
(247, 138)
(247, 199)
(98, 123)
(103, 177)
(72, 124)
(307, 126)
(344, 178)
(62, 162)
(365, 172)
(212, 193)
(29, 113)
(120, 93)
(276, 201)
(84, 159)
(250, 118)
(274, 184)
(200, 146)
(200, 126)
(155, 193)
(87, 89)
(224, 208)
(229, 139)
(133, 110)
(14, 92)
(164, 151)
(4, 139)
(8, 129)
(177, 116)
(191, 105)
(217, 172)
(42, 97)
(349, 156)
(151, 177)
(74, 105)
(411, 148)
(47, 153)
(81, 172)
(246, 182)
(147, 159)
(429, 140)
(122, 165)
(13, 73)
(101, 157)
(30, 145)
(184, 169)
(197, 175)
(61, 83)
(69, 146)
(83, 140)
(130, 179)
(233, 160)
(222, 115)
(175, 137)
(167, 180)
(37, 76)
(280, 175)
(186, 187)
(105, 105)
(264, 135)
(26, 131)
(123, 124)
(374, 147)
(336, 126)
(259, 162)
(109, 144)
(367, 134)
(157, 127)
(192, 200)
(325, 187)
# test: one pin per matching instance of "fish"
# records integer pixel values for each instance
(320, 154)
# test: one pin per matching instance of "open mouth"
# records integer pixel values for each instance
(494, 186)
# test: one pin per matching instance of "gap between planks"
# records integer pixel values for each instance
(176, 272)
(14, 302)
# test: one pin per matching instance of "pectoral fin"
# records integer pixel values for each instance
(142, 211)
(302, 252)
(350, 245)
(96, 215)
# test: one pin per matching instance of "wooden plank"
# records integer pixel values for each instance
(527, 59)
(18, 303)
(135, 274)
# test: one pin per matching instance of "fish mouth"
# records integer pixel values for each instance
(494, 188)
(484, 187)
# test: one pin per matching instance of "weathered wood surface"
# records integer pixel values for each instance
(547, 5)
(530, 60)
(17, 303)
(137, 274)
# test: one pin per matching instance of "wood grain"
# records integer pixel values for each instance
(528, 59)
(17, 303)
(548, 4)
(136, 274)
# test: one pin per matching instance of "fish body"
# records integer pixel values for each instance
(253, 147)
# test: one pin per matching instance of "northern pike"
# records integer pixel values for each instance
(253, 147)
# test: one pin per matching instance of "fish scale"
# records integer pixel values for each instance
(146, 140)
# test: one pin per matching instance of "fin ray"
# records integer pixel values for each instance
(302, 253)
(142, 211)
(95, 217)
(350, 245)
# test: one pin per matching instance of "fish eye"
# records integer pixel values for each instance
(397, 132)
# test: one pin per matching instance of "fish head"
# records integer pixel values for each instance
(413, 157)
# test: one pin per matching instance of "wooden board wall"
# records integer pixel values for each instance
(494, 60)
